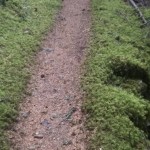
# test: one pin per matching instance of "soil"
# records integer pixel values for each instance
(51, 116)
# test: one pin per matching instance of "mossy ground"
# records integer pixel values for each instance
(117, 78)
(22, 22)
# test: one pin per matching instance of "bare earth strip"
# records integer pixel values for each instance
(51, 115)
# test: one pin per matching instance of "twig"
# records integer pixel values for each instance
(138, 10)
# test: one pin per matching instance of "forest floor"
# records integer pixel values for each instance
(51, 116)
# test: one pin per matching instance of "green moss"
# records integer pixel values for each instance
(22, 24)
(117, 79)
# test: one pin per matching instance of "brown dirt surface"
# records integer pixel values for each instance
(51, 116)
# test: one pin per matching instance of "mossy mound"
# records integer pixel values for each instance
(22, 24)
(117, 79)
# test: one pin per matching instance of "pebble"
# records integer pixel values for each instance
(69, 98)
(54, 115)
(48, 49)
(62, 123)
(44, 111)
(45, 123)
(11, 137)
(73, 134)
(25, 114)
(38, 135)
(33, 147)
(42, 76)
(67, 142)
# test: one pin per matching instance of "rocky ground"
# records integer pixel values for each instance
(51, 116)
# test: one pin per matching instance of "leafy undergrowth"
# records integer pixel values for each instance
(21, 25)
(117, 79)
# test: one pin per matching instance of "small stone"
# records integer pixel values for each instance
(44, 111)
(26, 31)
(62, 123)
(69, 98)
(33, 147)
(38, 135)
(45, 123)
(42, 76)
(73, 134)
(25, 114)
(67, 142)
(54, 116)
(48, 49)
(11, 137)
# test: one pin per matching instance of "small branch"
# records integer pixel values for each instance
(138, 10)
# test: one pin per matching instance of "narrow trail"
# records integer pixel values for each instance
(51, 117)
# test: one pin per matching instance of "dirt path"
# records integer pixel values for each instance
(51, 115)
